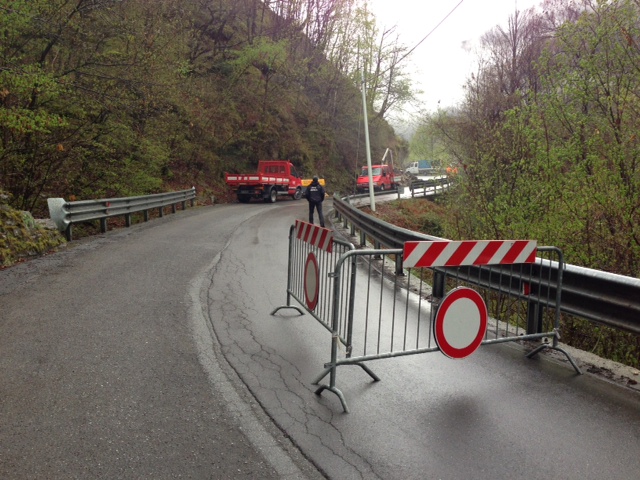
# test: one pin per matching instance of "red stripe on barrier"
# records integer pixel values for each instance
(487, 254)
(326, 241)
(532, 256)
(434, 249)
(300, 228)
(317, 236)
(314, 236)
(409, 247)
(307, 232)
(515, 251)
(460, 254)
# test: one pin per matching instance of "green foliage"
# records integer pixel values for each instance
(419, 215)
(549, 150)
(561, 166)
(110, 98)
(21, 236)
(603, 341)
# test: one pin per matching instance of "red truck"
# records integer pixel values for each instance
(382, 175)
(274, 178)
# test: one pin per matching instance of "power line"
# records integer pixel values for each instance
(432, 30)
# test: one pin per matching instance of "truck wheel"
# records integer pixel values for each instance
(382, 187)
(298, 194)
(244, 198)
(273, 196)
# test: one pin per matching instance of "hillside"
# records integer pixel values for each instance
(104, 98)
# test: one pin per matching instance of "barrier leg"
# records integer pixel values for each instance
(555, 346)
(335, 390)
(298, 309)
(368, 370)
(331, 370)
(289, 274)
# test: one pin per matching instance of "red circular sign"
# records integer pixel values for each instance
(460, 323)
(311, 281)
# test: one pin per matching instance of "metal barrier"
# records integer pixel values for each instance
(432, 186)
(601, 297)
(378, 313)
(65, 214)
(313, 254)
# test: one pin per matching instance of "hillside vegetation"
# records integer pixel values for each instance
(547, 136)
(104, 98)
(22, 237)
(547, 144)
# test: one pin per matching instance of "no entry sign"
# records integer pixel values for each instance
(311, 281)
(460, 323)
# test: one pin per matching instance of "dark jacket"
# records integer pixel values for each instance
(315, 192)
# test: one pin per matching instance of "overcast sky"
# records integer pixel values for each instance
(441, 63)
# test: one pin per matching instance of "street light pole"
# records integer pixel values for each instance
(372, 200)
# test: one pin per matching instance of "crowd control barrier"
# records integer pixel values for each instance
(313, 254)
(434, 304)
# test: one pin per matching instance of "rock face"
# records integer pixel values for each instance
(21, 236)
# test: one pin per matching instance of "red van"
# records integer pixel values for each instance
(383, 178)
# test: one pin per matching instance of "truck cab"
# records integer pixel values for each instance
(383, 178)
(421, 167)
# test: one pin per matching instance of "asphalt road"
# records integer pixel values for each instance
(108, 370)
(151, 352)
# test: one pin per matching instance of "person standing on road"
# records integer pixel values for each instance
(315, 196)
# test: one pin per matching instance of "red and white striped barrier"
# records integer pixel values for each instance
(319, 237)
(468, 253)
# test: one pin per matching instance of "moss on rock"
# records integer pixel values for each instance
(21, 236)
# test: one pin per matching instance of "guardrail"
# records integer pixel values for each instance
(65, 214)
(431, 184)
(601, 297)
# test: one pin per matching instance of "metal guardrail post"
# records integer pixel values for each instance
(534, 312)
(439, 283)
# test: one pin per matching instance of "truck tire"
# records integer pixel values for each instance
(272, 197)
(298, 194)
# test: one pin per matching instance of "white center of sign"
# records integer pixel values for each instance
(461, 323)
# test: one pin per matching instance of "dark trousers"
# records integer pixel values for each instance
(318, 207)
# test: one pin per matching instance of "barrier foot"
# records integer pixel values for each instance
(369, 371)
(288, 306)
(343, 401)
(538, 349)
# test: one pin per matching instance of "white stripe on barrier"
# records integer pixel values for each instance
(317, 236)
(468, 252)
